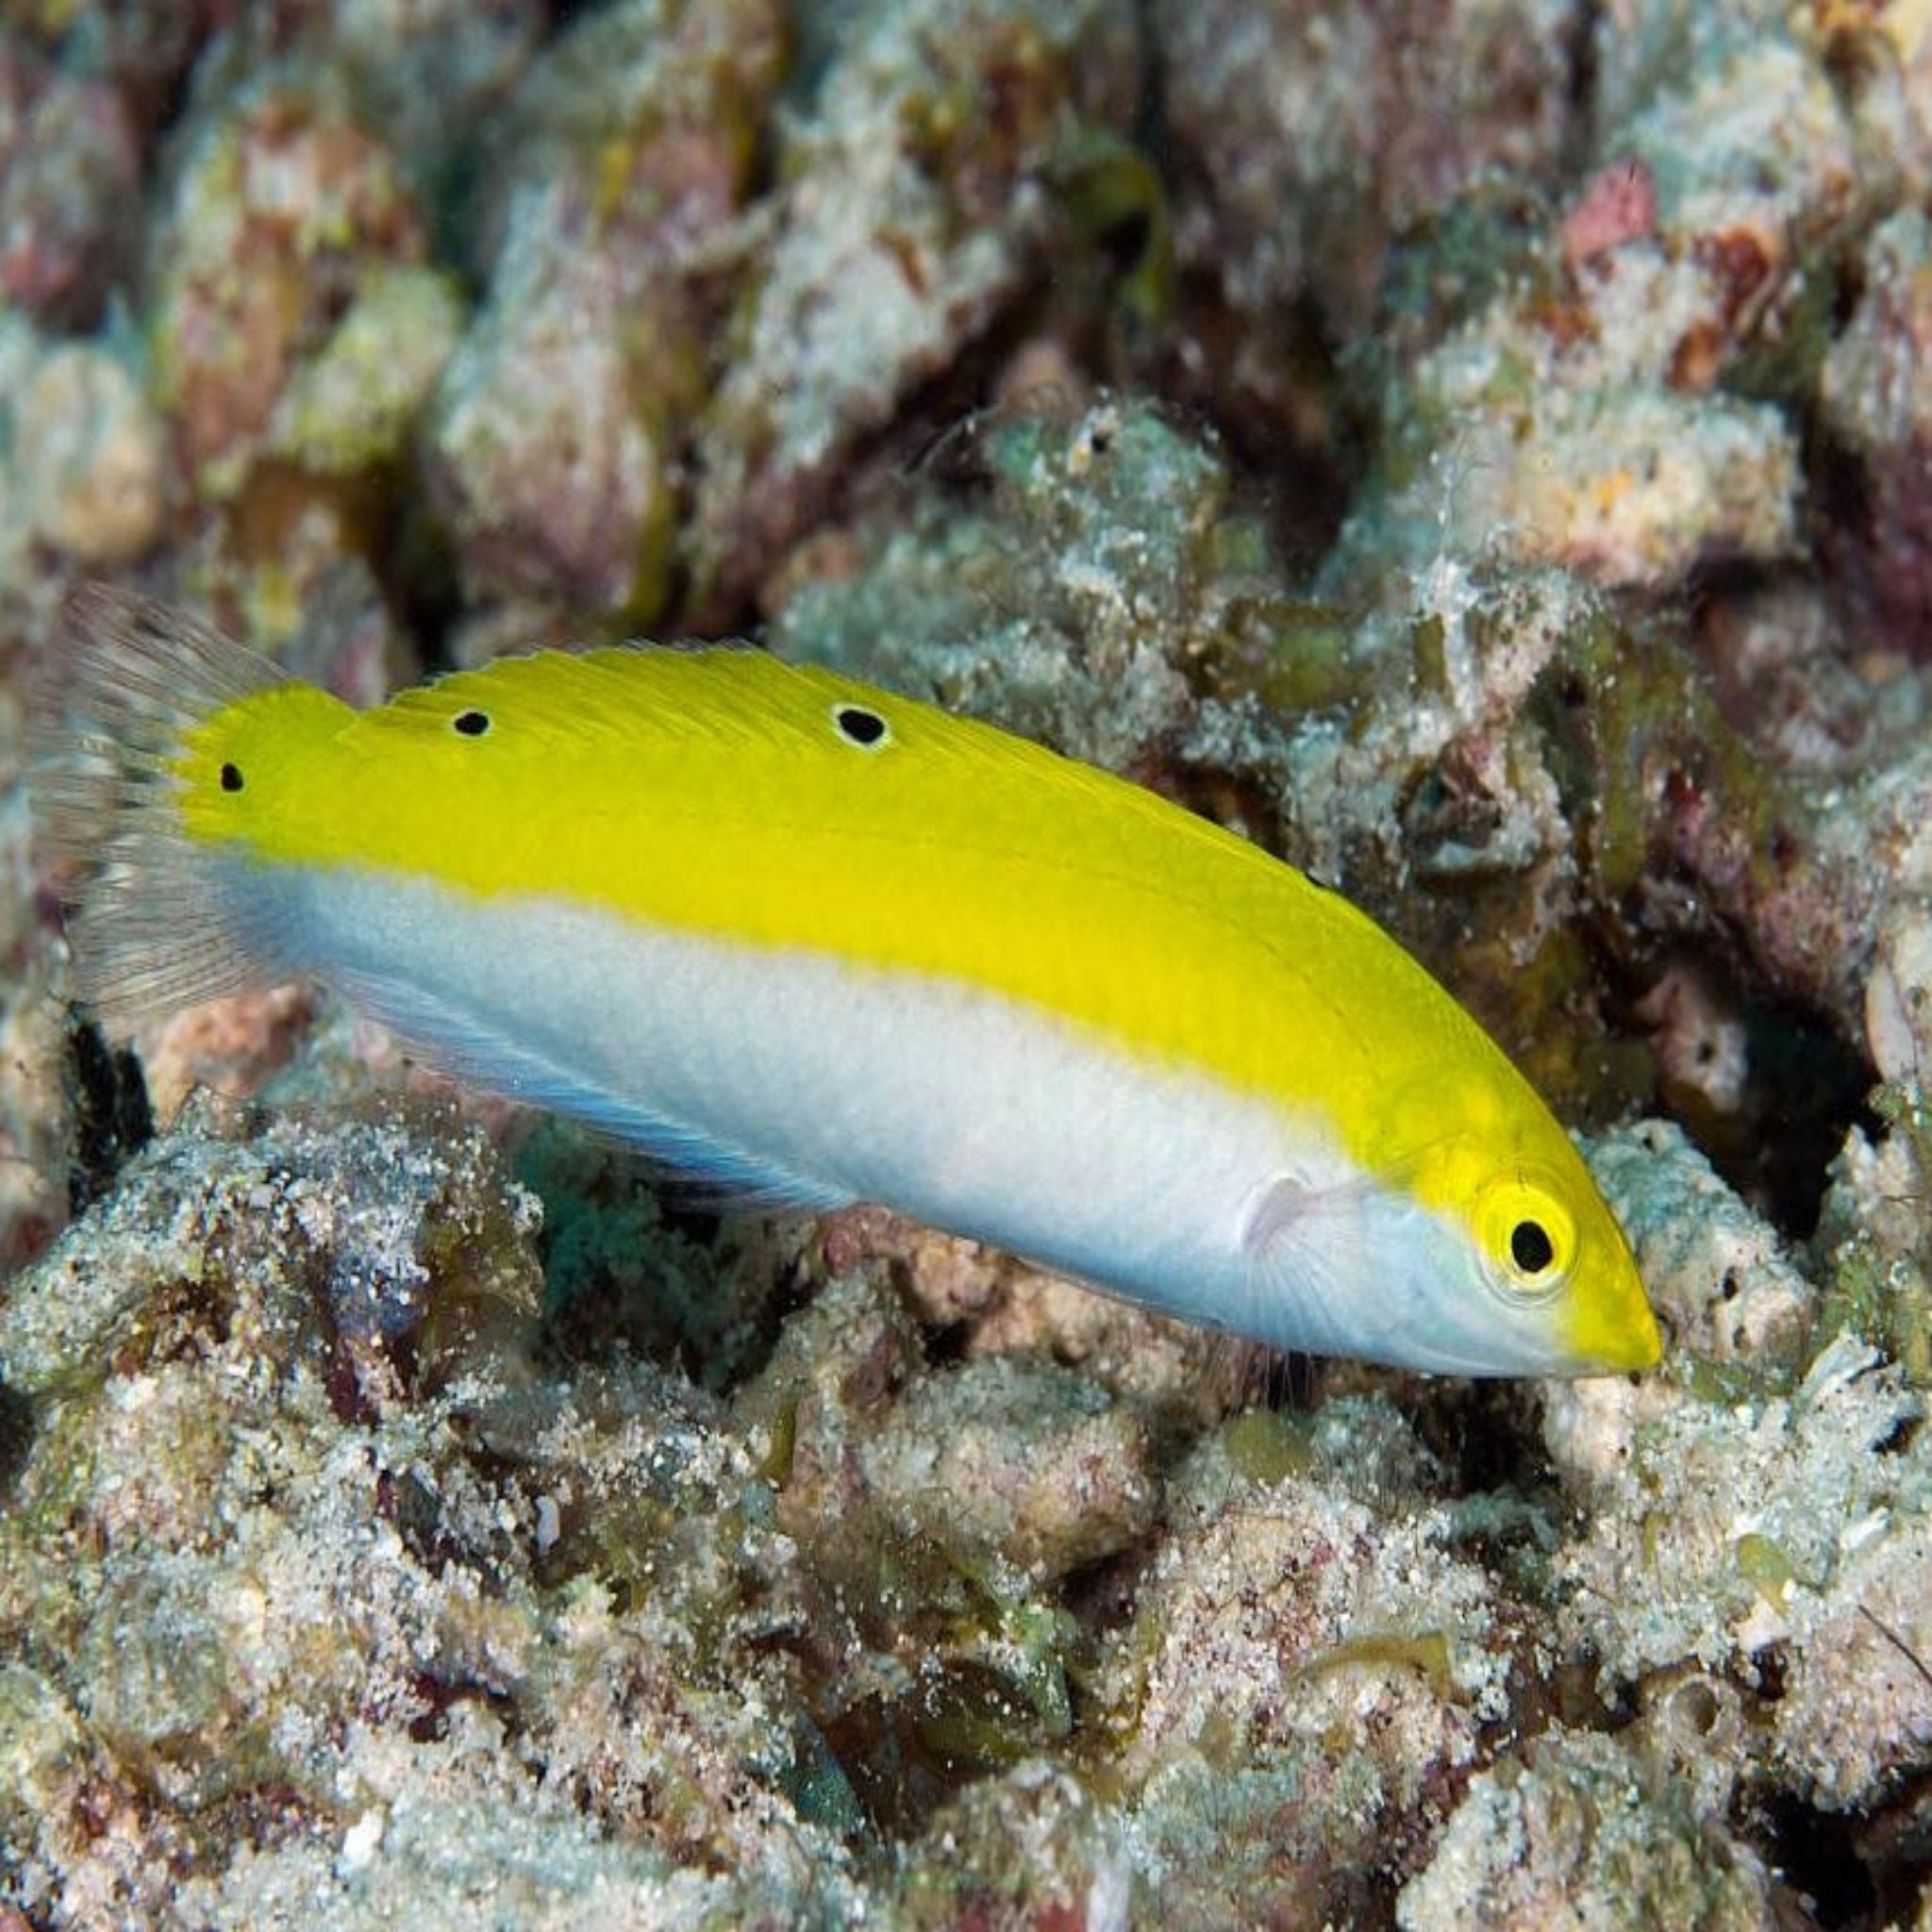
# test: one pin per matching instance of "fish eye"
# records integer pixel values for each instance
(1527, 1236)
(1530, 1246)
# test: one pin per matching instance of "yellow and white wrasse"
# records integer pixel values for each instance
(824, 943)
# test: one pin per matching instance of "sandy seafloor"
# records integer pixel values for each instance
(1482, 450)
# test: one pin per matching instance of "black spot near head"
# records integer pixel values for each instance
(471, 723)
(231, 777)
(1530, 1246)
(857, 724)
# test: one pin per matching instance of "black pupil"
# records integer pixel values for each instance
(861, 727)
(471, 723)
(231, 777)
(1530, 1247)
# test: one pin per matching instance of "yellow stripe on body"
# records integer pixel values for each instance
(711, 792)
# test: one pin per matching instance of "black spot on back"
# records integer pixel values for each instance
(858, 726)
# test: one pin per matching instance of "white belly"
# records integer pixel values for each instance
(792, 1070)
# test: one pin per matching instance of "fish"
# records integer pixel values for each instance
(820, 943)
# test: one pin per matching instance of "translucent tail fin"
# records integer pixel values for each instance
(126, 679)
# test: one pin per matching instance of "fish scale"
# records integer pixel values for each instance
(825, 942)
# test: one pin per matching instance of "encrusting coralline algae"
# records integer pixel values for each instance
(1477, 453)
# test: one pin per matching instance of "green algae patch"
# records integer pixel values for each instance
(1265, 1446)
(1292, 653)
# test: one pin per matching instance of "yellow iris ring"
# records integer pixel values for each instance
(1527, 1236)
